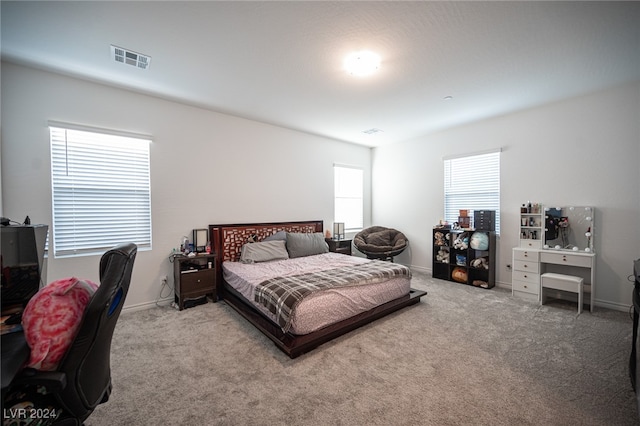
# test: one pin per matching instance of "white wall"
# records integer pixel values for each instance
(583, 151)
(206, 167)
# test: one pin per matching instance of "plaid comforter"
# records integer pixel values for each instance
(281, 295)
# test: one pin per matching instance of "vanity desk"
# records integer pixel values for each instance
(578, 264)
(565, 247)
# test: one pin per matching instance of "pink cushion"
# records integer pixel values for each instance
(51, 320)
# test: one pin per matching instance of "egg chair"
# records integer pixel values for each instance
(379, 242)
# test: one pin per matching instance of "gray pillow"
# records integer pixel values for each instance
(306, 244)
(280, 235)
(263, 251)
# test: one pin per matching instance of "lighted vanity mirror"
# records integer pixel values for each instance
(569, 228)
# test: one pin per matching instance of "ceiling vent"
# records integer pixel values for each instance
(372, 131)
(130, 57)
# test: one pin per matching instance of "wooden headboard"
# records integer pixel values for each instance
(227, 240)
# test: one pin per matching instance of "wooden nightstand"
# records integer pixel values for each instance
(194, 277)
(339, 246)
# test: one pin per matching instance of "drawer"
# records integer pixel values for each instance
(194, 281)
(525, 287)
(566, 259)
(528, 255)
(526, 277)
(526, 266)
(533, 244)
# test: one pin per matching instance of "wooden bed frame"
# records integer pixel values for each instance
(226, 243)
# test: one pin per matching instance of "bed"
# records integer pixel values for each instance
(319, 314)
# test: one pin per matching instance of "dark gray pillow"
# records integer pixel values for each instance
(278, 236)
(263, 251)
(306, 244)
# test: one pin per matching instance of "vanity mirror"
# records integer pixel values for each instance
(569, 228)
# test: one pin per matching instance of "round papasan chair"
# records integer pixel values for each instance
(378, 242)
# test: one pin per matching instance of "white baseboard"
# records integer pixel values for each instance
(421, 268)
(507, 286)
(148, 305)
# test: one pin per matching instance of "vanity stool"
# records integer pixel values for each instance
(562, 282)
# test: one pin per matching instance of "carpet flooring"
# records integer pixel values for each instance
(463, 356)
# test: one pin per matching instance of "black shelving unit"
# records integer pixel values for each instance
(464, 256)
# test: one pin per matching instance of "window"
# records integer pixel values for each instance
(349, 190)
(101, 190)
(473, 183)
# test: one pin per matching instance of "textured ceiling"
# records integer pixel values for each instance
(281, 62)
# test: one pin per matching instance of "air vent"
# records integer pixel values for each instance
(372, 131)
(130, 57)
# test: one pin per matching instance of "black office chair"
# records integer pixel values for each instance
(83, 378)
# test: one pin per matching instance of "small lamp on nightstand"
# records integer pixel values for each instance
(338, 230)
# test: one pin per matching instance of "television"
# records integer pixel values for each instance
(21, 262)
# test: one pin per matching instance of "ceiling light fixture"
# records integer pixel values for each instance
(362, 64)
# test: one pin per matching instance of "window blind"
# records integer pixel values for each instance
(348, 193)
(472, 183)
(101, 191)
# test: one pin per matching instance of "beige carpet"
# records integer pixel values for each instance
(463, 356)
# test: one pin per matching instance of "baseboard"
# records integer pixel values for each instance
(148, 305)
(613, 306)
(420, 268)
(507, 286)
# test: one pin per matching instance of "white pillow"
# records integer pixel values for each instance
(263, 251)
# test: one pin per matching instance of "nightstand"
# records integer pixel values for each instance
(339, 246)
(194, 277)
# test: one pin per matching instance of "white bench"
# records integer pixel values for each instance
(562, 282)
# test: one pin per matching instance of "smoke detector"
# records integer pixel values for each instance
(129, 57)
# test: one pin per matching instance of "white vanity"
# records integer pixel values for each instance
(562, 244)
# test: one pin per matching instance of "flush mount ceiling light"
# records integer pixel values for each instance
(125, 56)
(362, 64)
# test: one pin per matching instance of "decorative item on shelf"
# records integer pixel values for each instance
(480, 283)
(484, 220)
(439, 239)
(461, 260)
(479, 241)
(338, 230)
(464, 220)
(443, 224)
(443, 255)
(459, 274)
(480, 263)
(461, 242)
(184, 247)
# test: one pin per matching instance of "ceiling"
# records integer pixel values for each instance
(281, 62)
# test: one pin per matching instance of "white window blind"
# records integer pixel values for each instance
(472, 183)
(101, 191)
(348, 192)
